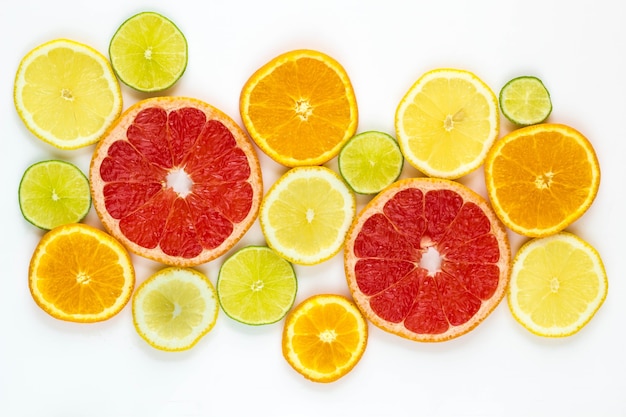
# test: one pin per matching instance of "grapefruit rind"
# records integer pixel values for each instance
(425, 185)
(117, 132)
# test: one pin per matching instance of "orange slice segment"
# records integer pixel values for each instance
(176, 180)
(542, 178)
(427, 259)
(300, 108)
(80, 273)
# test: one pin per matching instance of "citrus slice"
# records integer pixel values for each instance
(300, 108)
(558, 283)
(174, 308)
(306, 214)
(256, 286)
(446, 123)
(427, 259)
(542, 178)
(66, 93)
(525, 101)
(52, 193)
(176, 180)
(370, 161)
(324, 337)
(148, 52)
(79, 273)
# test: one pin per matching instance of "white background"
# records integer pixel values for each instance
(54, 368)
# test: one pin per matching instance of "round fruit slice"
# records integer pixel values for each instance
(176, 180)
(53, 193)
(446, 123)
(370, 161)
(557, 284)
(148, 52)
(306, 214)
(324, 337)
(175, 308)
(427, 259)
(541, 178)
(66, 93)
(79, 273)
(300, 108)
(525, 101)
(256, 286)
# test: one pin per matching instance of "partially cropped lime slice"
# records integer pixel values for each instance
(255, 286)
(148, 52)
(52, 193)
(370, 161)
(525, 101)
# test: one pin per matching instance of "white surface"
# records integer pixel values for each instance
(53, 368)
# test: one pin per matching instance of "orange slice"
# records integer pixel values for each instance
(324, 337)
(427, 259)
(80, 273)
(176, 180)
(542, 178)
(300, 108)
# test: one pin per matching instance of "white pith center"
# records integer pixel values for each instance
(257, 285)
(544, 181)
(310, 215)
(148, 54)
(178, 180)
(328, 336)
(431, 261)
(177, 310)
(303, 109)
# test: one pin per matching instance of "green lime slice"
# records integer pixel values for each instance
(255, 286)
(370, 161)
(525, 101)
(148, 52)
(53, 193)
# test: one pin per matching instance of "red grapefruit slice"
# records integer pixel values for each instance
(427, 259)
(176, 180)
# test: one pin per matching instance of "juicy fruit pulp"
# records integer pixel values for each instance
(174, 308)
(525, 101)
(300, 108)
(324, 337)
(66, 93)
(256, 286)
(427, 259)
(446, 123)
(557, 285)
(53, 193)
(541, 178)
(148, 52)
(79, 273)
(176, 180)
(306, 214)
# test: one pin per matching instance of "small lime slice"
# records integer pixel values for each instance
(370, 161)
(174, 308)
(52, 193)
(255, 286)
(525, 101)
(148, 52)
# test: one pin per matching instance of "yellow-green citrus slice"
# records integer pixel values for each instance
(525, 101)
(174, 308)
(52, 193)
(370, 161)
(557, 284)
(306, 214)
(66, 93)
(446, 123)
(148, 52)
(255, 286)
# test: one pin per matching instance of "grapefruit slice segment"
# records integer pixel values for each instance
(427, 259)
(176, 180)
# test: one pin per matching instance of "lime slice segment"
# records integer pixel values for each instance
(525, 101)
(370, 161)
(52, 193)
(148, 52)
(256, 286)
(174, 308)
